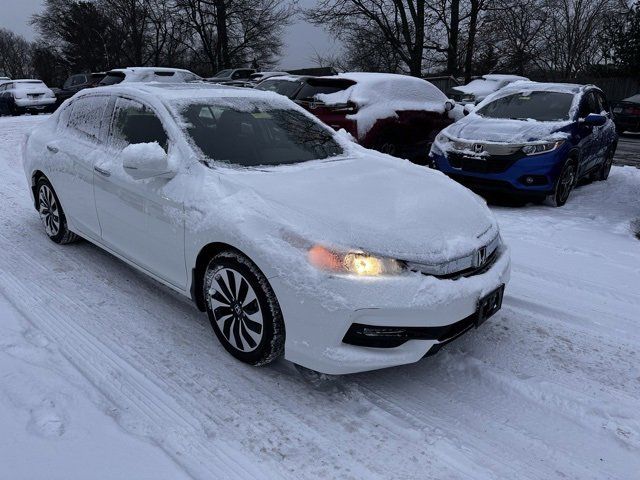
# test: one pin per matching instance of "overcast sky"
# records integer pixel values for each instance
(301, 39)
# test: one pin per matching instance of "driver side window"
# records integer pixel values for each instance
(134, 122)
(588, 105)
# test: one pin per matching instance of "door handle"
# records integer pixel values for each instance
(53, 149)
(102, 171)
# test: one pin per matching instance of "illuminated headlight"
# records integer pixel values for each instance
(355, 263)
(537, 148)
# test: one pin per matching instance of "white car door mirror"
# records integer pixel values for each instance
(146, 160)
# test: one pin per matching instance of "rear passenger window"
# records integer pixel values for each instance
(133, 123)
(85, 117)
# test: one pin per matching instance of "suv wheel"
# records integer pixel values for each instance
(564, 185)
(243, 309)
(605, 168)
(52, 215)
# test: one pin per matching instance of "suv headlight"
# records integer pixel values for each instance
(442, 138)
(353, 262)
(538, 148)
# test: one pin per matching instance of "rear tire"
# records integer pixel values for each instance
(243, 309)
(564, 185)
(52, 215)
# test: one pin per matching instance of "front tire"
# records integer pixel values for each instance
(243, 309)
(564, 185)
(52, 215)
(604, 170)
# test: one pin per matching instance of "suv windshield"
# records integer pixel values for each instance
(257, 136)
(541, 106)
(224, 73)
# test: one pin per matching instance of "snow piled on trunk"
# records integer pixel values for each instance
(381, 95)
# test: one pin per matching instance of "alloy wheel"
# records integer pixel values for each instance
(236, 309)
(566, 183)
(49, 211)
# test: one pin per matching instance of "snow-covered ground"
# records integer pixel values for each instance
(106, 374)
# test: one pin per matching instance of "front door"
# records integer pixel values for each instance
(138, 221)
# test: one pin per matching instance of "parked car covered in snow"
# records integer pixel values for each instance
(626, 114)
(294, 240)
(480, 88)
(232, 75)
(148, 74)
(26, 96)
(395, 114)
(74, 83)
(534, 140)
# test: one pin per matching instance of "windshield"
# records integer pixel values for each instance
(541, 106)
(258, 136)
(224, 73)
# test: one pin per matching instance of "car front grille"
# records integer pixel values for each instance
(483, 164)
(475, 263)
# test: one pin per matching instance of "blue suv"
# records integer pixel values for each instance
(534, 140)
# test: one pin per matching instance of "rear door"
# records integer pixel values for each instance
(79, 144)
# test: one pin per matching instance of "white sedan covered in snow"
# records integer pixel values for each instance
(296, 241)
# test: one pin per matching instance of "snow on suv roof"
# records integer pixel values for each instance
(502, 76)
(572, 88)
(142, 74)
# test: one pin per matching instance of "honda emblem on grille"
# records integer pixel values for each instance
(478, 148)
(481, 256)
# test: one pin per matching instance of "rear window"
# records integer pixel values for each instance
(288, 88)
(112, 78)
(315, 87)
(28, 85)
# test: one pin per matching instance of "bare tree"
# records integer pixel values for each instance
(15, 54)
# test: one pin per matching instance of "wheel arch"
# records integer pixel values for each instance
(35, 177)
(202, 259)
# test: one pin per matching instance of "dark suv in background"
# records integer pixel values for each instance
(75, 83)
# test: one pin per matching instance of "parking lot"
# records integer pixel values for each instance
(628, 152)
(546, 389)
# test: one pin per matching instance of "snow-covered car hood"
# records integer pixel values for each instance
(475, 127)
(379, 205)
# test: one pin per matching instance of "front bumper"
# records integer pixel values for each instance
(318, 321)
(533, 175)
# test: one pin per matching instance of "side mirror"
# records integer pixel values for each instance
(595, 120)
(146, 160)
(449, 105)
(468, 108)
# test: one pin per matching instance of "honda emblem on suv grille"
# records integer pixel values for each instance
(478, 148)
(481, 256)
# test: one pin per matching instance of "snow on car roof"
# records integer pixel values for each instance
(503, 76)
